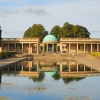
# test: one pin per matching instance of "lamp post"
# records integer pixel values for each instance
(0, 39)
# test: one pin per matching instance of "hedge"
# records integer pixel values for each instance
(95, 54)
(7, 54)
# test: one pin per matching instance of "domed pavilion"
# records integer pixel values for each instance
(50, 43)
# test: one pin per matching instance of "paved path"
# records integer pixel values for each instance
(9, 61)
(90, 62)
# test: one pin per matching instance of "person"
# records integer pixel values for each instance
(72, 54)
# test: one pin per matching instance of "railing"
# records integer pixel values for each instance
(62, 39)
(82, 39)
(6, 39)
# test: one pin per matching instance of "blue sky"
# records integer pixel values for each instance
(18, 15)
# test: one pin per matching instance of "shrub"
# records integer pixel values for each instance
(0, 54)
(95, 53)
(7, 54)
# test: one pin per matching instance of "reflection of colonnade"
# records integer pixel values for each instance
(24, 68)
(74, 67)
(0, 76)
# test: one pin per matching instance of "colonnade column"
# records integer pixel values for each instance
(38, 65)
(97, 47)
(22, 66)
(84, 68)
(84, 47)
(37, 48)
(77, 66)
(60, 66)
(47, 47)
(52, 47)
(61, 48)
(69, 66)
(29, 47)
(43, 47)
(29, 66)
(91, 47)
(69, 47)
(77, 47)
(22, 48)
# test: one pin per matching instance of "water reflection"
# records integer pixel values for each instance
(70, 79)
(67, 70)
(56, 77)
(40, 78)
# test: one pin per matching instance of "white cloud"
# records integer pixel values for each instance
(34, 10)
(11, 34)
(4, 12)
(81, 12)
(2, 15)
(26, 9)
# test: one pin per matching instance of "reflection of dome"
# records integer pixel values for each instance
(49, 39)
(50, 73)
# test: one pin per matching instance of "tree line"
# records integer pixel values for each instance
(67, 30)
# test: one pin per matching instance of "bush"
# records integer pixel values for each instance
(0, 54)
(95, 54)
(7, 54)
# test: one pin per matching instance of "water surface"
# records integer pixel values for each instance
(19, 81)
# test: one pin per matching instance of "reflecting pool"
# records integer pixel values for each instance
(42, 80)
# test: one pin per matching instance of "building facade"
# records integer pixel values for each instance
(50, 44)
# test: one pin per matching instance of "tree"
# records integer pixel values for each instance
(37, 30)
(27, 33)
(80, 32)
(40, 78)
(67, 80)
(69, 30)
(55, 31)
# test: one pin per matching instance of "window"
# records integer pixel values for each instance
(95, 46)
(20, 46)
(78, 46)
(3, 46)
(14, 46)
(85, 46)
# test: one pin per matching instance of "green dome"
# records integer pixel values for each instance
(50, 38)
